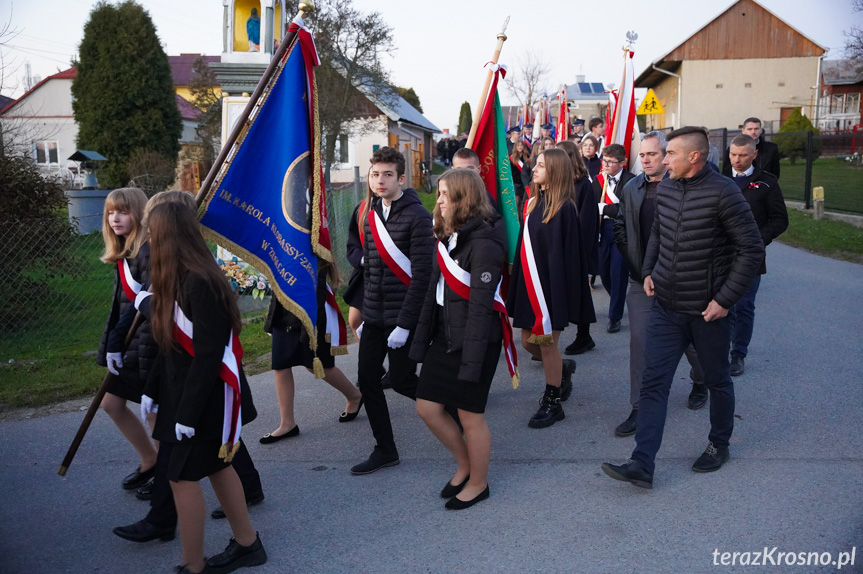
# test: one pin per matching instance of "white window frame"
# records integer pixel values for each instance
(46, 144)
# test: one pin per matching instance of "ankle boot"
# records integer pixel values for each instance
(566, 379)
(549, 411)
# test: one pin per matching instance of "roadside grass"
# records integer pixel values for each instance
(834, 239)
(842, 182)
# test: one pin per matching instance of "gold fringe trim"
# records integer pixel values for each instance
(328, 338)
(340, 350)
(318, 368)
(318, 249)
(541, 340)
(227, 452)
(515, 380)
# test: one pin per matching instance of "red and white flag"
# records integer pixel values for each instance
(622, 129)
(562, 118)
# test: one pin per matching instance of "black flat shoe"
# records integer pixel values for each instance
(451, 489)
(236, 556)
(456, 504)
(143, 531)
(138, 479)
(347, 417)
(218, 513)
(271, 438)
(145, 492)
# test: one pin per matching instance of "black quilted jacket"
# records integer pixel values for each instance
(704, 243)
(387, 302)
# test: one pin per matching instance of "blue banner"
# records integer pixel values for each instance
(262, 205)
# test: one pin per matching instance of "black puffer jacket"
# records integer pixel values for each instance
(704, 244)
(470, 324)
(387, 302)
(142, 351)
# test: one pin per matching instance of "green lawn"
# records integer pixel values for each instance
(843, 183)
(829, 238)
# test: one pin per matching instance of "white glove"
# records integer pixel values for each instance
(147, 407)
(183, 431)
(398, 338)
(601, 207)
(115, 362)
(360, 330)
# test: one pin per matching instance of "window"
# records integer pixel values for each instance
(45, 152)
(747, 85)
(781, 84)
(852, 103)
(837, 105)
(718, 86)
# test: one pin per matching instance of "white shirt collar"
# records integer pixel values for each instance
(747, 173)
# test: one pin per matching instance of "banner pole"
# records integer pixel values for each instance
(501, 38)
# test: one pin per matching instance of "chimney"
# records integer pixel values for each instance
(579, 78)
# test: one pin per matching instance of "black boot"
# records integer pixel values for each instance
(566, 379)
(549, 411)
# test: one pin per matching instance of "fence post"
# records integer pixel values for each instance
(807, 192)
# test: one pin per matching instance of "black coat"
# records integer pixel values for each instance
(611, 209)
(470, 325)
(142, 351)
(704, 244)
(627, 226)
(188, 389)
(593, 165)
(353, 294)
(387, 302)
(588, 216)
(768, 207)
(766, 160)
(562, 267)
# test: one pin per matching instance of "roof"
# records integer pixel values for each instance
(398, 109)
(87, 155)
(183, 67)
(586, 91)
(841, 72)
(717, 37)
(188, 111)
(68, 74)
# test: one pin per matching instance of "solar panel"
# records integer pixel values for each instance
(598, 88)
(584, 87)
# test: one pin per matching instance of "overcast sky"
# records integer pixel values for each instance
(441, 46)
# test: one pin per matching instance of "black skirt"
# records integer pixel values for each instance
(128, 385)
(193, 461)
(439, 382)
(291, 349)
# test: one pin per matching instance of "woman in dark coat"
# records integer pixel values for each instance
(590, 153)
(548, 289)
(196, 322)
(459, 334)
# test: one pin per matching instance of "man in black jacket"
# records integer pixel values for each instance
(704, 252)
(398, 247)
(612, 268)
(768, 152)
(761, 190)
(631, 233)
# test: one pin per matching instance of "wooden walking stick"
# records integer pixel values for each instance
(501, 38)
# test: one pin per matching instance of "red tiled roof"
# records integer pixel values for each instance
(182, 67)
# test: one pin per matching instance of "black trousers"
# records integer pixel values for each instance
(370, 370)
(163, 513)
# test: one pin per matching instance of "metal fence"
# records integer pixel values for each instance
(55, 293)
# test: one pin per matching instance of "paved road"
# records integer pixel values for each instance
(795, 479)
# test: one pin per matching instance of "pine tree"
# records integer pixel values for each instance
(794, 146)
(465, 119)
(124, 97)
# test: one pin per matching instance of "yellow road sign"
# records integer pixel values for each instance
(650, 105)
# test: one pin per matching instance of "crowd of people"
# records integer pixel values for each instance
(679, 247)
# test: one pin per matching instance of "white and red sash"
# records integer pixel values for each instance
(229, 372)
(459, 281)
(337, 332)
(130, 286)
(608, 193)
(541, 330)
(397, 261)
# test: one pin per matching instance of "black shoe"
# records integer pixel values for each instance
(566, 379)
(455, 504)
(145, 492)
(143, 531)
(711, 459)
(236, 556)
(183, 570)
(613, 326)
(697, 396)
(347, 417)
(271, 438)
(535, 358)
(218, 513)
(580, 346)
(627, 427)
(630, 472)
(549, 411)
(138, 479)
(379, 459)
(737, 366)
(451, 489)
(385, 381)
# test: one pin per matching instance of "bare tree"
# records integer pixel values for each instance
(854, 36)
(528, 80)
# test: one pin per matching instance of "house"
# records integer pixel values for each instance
(585, 100)
(839, 89)
(745, 62)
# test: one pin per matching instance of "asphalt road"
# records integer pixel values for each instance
(794, 481)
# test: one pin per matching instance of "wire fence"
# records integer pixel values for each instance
(55, 293)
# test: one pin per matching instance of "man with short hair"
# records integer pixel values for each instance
(631, 234)
(466, 158)
(578, 129)
(768, 153)
(597, 130)
(704, 252)
(545, 131)
(612, 269)
(761, 190)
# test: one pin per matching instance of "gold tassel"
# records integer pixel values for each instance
(227, 452)
(541, 340)
(340, 350)
(515, 380)
(328, 338)
(318, 368)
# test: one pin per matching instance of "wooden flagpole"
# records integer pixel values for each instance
(501, 38)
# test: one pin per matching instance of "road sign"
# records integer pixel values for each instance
(650, 105)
